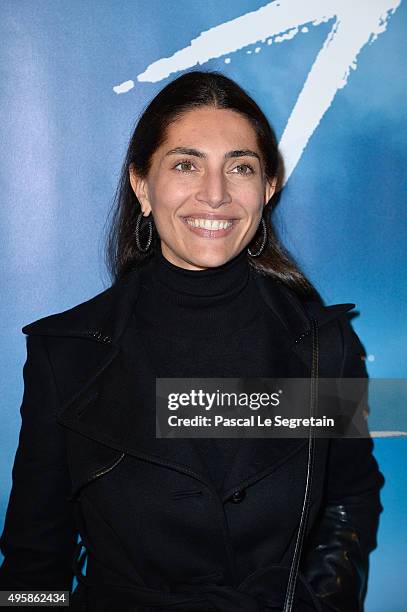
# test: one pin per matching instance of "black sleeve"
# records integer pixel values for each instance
(353, 473)
(337, 555)
(39, 534)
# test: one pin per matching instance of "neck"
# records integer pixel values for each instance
(197, 302)
(221, 282)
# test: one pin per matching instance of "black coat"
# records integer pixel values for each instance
(154, 528)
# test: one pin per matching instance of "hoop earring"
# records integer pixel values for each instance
(263, 244)
(137, 234)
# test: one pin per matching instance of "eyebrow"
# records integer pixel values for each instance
(196, 153)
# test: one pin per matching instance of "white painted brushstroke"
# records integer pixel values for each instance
(388, 434)
(270, 20)
(356, 24)
(123, 87)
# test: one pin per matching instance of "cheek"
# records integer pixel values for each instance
(251, 200)
(167, 195)
(251, 192)
(164, 209)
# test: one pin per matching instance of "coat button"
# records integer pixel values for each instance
(238, 496)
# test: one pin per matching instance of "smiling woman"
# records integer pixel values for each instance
(201, 151)
(201, 288)
(216, 189)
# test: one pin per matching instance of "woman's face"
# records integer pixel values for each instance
(206, 188)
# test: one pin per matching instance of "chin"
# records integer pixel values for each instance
(210, 260)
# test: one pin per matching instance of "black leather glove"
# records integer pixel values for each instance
(335, 564)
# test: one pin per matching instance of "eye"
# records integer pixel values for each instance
(186, 163)
(247, 169)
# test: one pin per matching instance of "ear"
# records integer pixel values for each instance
(271, 186)
(140, 189)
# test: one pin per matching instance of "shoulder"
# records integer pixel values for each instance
(102, 316)
(80, 312)
(336, 329)
(296, 312)
(339, 343)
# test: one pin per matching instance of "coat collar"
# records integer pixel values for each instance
(103, 408)
(104, 317)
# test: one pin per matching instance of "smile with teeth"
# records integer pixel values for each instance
(209, 224)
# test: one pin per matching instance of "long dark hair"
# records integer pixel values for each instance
(192, 90)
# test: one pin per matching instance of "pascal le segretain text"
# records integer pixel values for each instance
(254, 420)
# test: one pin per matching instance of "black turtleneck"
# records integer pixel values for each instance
(205, 323)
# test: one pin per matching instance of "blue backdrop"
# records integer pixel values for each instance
(330, 76)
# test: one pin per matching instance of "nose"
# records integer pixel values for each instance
(213, 190)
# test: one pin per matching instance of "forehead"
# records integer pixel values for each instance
(212, 125)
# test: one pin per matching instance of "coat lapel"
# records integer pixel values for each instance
(101, 400)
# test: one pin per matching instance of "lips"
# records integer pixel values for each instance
(210, 226)
(209, 221)
(209, 216)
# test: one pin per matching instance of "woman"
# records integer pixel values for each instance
(202, 288)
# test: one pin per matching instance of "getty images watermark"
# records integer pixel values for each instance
(254, 401)
(267, 408)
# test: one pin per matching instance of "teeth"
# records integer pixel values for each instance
(208, 224)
